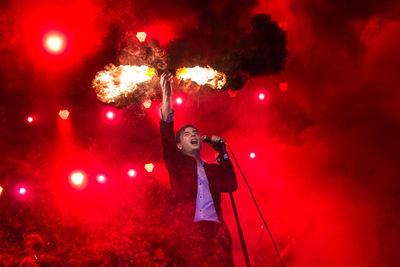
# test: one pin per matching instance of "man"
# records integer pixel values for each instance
(194, 207)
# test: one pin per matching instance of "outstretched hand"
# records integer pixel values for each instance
(166, 107)
(165, 82)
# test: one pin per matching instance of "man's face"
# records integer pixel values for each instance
(190, 142)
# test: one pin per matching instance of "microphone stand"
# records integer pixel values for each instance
(258, 209)
(240, 231)
(207, 139)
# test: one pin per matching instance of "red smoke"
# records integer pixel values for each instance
(78, 22)
(326, 138)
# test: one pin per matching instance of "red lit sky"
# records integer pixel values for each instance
(326, 171)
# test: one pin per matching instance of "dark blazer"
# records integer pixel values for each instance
(182, 171)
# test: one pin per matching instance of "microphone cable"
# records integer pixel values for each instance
(255, 202)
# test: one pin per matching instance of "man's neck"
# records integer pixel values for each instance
(198, 159)
(196, 156)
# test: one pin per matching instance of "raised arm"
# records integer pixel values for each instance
(170, 150)
(166, 107)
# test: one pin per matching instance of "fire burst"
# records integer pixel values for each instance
(203, 76)
(120, 81)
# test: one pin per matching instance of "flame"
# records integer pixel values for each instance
(119, 81)
(203, 76)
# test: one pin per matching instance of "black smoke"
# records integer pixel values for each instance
(237, 53)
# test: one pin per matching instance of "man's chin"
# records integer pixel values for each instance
(196, 148)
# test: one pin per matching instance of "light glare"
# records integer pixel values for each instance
(22, 191)
(132, 173)
(101, 178)
(64, 114)
(55, 43)
(141, 36)
(77, 178)
(149, 167)
(110, 115)
(147, 103)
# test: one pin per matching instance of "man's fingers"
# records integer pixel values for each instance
(166, 78)
(166, 74)
(215, 138)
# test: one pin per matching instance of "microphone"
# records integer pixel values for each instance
(210, 140)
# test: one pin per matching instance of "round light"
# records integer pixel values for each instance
(261, 96)
(252, 155)
(77, 178)
(101, 178)
(22, 191)
(179, 100)
(131, 173)
(29, 119)
(55, 43)
(110, 115)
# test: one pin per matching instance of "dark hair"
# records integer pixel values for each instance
(181, 130)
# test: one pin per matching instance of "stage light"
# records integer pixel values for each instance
(147, 103)
(149, 167)
(1, 190)
(110, 115)
(283, 86)
(29, 119)
(101, 178)
(55, 43)
(64, 114)
(232, 93)
(179, 100)
(252, 155)
(131, 173)
(22, 190)
(261, 96)
(77, 178)
(141, 36)
(283, 25)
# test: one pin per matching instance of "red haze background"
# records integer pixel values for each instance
(326, 137)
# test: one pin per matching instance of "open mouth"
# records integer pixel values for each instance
(194, 141)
